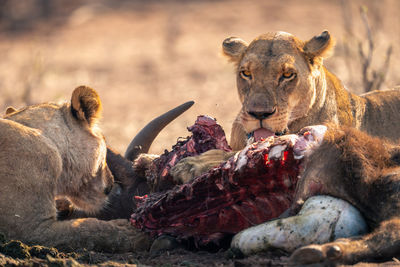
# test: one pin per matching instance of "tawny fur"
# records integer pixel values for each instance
(364, 171)
(57, 150)
(311, 96)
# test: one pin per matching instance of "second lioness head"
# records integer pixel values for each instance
(278, 79)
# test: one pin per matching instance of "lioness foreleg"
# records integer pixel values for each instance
(92, 234)
(382, 243)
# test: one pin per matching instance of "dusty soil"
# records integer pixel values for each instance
(15, 253)
(145, 57)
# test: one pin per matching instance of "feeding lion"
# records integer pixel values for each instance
(283, 87)
(51, 150)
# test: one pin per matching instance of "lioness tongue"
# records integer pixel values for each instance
(262, 133)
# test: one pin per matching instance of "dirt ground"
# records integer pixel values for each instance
(15, 253)
(144, 57)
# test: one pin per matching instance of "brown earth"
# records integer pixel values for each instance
(15, 253)
(145, 57)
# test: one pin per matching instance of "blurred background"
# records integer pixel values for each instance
(145, 57)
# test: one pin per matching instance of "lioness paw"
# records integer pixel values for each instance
(307, 255)
(316, 253)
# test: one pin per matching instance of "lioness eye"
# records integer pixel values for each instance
(245, 74)
(288, 74)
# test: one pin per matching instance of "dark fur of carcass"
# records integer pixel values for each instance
(206, 135)
(223, 201)
(145, 176)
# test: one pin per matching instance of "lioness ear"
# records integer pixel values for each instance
(319, 46)
(10, 110)
(233, 48)
(86, 104)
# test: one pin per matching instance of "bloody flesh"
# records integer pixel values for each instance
(207, 134)
(246, 190)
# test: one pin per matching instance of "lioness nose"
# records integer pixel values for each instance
(261, 115)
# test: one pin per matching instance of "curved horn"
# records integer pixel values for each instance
(143, 140)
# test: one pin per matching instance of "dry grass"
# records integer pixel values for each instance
(147, 56)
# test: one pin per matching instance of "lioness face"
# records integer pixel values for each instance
(94, 181)
(276, 80)
(72, 128)
(92, 188)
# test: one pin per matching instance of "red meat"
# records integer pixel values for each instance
(206, 135)
(246, 190)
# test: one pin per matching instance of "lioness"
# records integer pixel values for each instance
(51, 150)
(283, 87)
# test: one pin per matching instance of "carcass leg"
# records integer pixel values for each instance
(382, 243)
